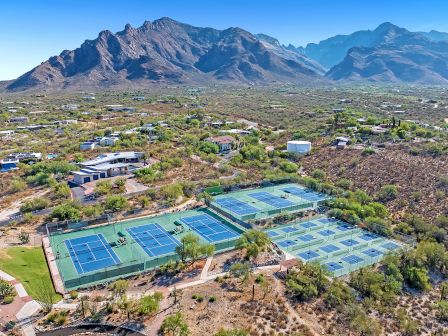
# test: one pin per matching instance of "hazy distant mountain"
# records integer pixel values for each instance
(403, 57)
(331, 51)
(292, 53)
(167, 51)
(436, 36)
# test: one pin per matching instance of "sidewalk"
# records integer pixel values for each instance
(28, 308)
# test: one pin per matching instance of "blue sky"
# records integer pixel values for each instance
(33, 30)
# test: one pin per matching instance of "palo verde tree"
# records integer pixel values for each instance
(192, 249)
(253, 242)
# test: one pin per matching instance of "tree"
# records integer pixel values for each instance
(209, 147)
(67, 211)
(116, 202)
(6, 290)
(231, 332)
(387, 193)
(308, 281)
(144, 201)
(128, 305)
(253, 242)
(24, 237)
(191, 248)
(338, 294)
(174, 325)
(119, 288)
(442, 310)
(240, 271)
(61, 190)
(149, 304)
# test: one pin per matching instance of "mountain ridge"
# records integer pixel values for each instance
(166, 51)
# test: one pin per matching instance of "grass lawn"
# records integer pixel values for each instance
(29, 266)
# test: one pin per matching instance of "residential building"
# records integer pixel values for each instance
(225, 142)
(88, 145)
(298, 147)
(107, 165)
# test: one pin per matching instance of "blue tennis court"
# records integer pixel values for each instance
(285, 243)
(289, 229)
(91, 253)
(210, 228)
(332, 266)
(306, 238)
(153, 239)
(352, 259)
(330, 248)
(272, 234)
(270, 199)
(308, 255)
(236, 206)
(308, 225)
(344, 227)
(350, 242)
(369, 236)
(308, 195)
(326, 233)
(372, 253)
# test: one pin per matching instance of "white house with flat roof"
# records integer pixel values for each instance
(107, 165)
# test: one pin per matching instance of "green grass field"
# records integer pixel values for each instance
(28, 265)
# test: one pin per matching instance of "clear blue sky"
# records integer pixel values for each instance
(33, 30)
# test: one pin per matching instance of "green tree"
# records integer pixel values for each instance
(191, 248)
(253, 242)
(150, 304)
(174, 325)
(67, 211)
(116, 202)
(231, 332)
(388, 193)
(308, 281)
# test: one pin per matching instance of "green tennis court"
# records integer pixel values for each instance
(103, 253)
(266, 202)
(341, 247)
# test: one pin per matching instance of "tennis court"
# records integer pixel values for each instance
(91, 253)
(270, 199)
(266, 202)
(341, 247)
(153, 239)
(103, 253)
(210, 228)
(236, 206)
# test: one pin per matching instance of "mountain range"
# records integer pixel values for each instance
(170, 52)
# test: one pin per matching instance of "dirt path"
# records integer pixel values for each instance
(14, 207)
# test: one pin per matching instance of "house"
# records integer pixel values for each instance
(89, 98)
(236, 131)
(338, 110)
(70, 107)
(225, 142)
(88, 145)
(19, 120)
(7, 165)
(139, 98)
(107, 165)
(12, 160)
(298, 147)
(66, 122)
(108, 141)
(7, 134)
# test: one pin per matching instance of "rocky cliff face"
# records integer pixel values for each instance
(166, 51)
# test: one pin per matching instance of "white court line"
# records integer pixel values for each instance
(105, 247)
(74, 252)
